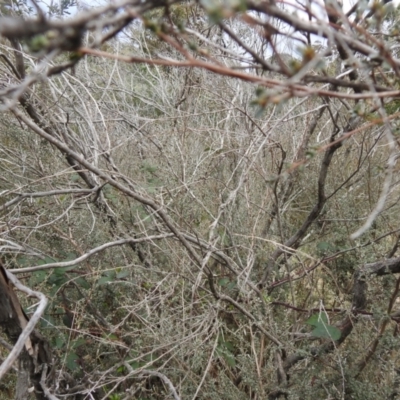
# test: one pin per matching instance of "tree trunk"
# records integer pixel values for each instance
(36, 353)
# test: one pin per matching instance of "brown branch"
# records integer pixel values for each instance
(294, 241)
(344, 84)
(289, 89)
(289, 185)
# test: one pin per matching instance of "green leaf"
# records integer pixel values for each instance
(323, 246)
(23, 261)
(223, 352)
(229, 346)
(123, 274)
(137, 364)
(232, 285)
(62, 271)
(74, 177)
(46, 260)
(229, 358)
(79, 342)
(105, 279)
(70, 256)
(60, 341)
(326, 332)
(57, 280)
(47, 321)
(318, 319)
(322, 329)
(111, 273)
(108, 276)
(37, 277)
(266, 298)
(67, 320)
(71, 361)
(83, 283)
(121, 369)
(223, 281)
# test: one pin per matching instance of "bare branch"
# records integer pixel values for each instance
(30, 326)
(90, 253)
